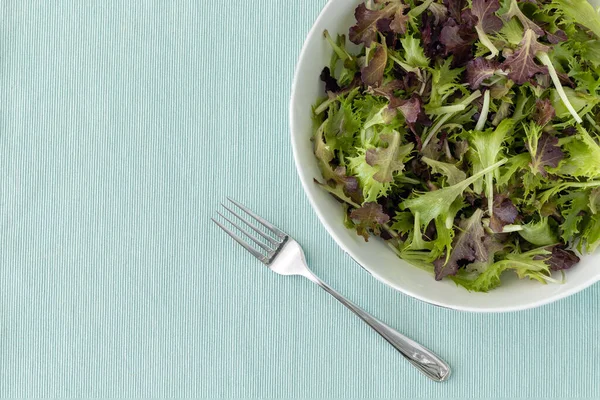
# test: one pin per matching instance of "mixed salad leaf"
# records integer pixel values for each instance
(465, 133)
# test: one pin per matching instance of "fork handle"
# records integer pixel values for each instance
(425, 360)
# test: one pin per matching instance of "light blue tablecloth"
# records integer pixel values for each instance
(123, 125)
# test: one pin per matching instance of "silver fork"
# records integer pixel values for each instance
(283, 255)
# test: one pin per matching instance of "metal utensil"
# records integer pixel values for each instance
(283, 255)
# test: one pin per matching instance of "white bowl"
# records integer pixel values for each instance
(375, 256)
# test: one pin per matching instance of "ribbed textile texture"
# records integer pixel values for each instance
(123, 124)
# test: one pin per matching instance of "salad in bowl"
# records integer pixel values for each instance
(464, 135)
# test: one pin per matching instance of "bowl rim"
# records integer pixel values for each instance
(314, 205)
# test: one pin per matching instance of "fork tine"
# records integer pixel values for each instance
(261, 233)
(262, 245)
(241, 241)
(263, 221)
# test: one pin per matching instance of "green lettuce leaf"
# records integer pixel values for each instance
(531, 264)
(579, 12)
(576, 204)
(590, 239)
(432, 204)
(365, 173)
(453, 174)
(486, 149)
(342, 124)
(388, 160)
(539, 233)
(403, 222)
(414, 55)
(444, 82)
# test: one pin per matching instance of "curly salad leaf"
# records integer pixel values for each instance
(465, 133)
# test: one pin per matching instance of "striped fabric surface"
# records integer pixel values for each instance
(123, 125)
